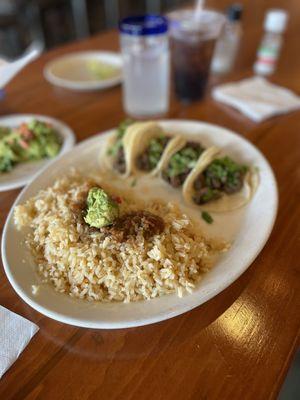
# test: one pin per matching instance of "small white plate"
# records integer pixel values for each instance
(250, 227)
(71, 71)
(23, 173)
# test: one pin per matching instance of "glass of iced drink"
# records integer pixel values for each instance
(192, 44)
(145, 53)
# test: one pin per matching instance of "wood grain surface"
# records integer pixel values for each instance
(238, 345)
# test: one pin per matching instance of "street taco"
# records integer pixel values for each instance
(116, 152)
(219, 184)
(180, 162)
(149, 147)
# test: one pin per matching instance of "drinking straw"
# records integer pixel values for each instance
(198, 8)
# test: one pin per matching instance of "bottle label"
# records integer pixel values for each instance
(268, 54)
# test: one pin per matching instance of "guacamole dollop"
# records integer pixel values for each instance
(102, 210)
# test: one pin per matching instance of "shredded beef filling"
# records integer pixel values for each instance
(149, 159)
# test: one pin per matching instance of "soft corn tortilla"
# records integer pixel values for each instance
(138, 141)
(107, 161)
(226, 202)
(180, 144)
(176, 146)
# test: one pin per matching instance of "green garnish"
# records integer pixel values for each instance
(210, 194)
(123, 126)
(133, 182)
(185, 159)
(113, 150)
(207, 217)
(102, 210)
(225, 174)
(155, 150)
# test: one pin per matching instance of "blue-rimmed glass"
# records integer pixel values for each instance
(144, 45)
(141, 25)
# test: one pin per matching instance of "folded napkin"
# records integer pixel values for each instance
(257, 98)
(15, 333)
(9, 69)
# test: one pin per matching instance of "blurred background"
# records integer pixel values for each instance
(54, 22)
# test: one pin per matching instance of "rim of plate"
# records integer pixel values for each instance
(185, 307)
(68, 137)
(65, 83)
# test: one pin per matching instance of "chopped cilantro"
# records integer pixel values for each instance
(113, 150)
(123, 126)
(133, 182)
(207, 217)
(155, 150)
(184, 160)
(225, 174)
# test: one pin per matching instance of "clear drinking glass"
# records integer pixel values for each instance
(192, 45)
(145, 53)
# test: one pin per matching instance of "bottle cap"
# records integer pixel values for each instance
(234, 12)
(276, 20)
(140, 25)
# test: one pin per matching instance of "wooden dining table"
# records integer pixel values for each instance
(238, 345)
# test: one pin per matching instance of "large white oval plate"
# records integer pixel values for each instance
(23, 173)
(255, 223)
(70, 71)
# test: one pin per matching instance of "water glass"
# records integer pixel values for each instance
(145, 53)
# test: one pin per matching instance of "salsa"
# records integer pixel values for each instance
(134, 223)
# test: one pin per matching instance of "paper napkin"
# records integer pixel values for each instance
(15, 334)
(257, 98)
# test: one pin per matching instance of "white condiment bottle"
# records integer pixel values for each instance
(269, 49)
(228, 43)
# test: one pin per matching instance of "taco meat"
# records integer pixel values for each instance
(148, 160)
(223, 175)
(116, 150)
(119, 162)
(181, 164)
